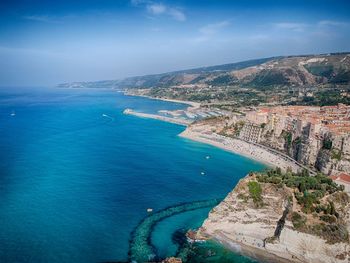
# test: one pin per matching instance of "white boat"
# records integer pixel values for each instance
(13, 113)
(149, 210)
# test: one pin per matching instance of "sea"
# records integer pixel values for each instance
(77, 175)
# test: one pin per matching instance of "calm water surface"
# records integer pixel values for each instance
(76, 175)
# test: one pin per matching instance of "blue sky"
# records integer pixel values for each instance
(49, 42)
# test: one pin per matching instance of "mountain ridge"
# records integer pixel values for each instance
(278, 70)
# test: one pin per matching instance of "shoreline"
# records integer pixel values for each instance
(242, 148)
(239, 147)
(248, 251)
(193, 104)
(232, 145)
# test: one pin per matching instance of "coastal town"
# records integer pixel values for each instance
(159, 131)
(304, 196)
(290, 114)
(299, 143)
(299, 137)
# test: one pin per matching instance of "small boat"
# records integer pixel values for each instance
(202, 173)
(207, 157)
(13, 113)
(104, 115)
(149, 210)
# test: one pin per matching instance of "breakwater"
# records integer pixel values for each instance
(179, 121)
(140, 247)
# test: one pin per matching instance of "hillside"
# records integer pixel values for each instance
(292, 70)
(169, 78)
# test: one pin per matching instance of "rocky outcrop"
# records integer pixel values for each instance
(267, 232)
(312, 151)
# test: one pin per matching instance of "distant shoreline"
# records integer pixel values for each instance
(232, 145)
(190, 103)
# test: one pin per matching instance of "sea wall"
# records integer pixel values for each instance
(178, 121)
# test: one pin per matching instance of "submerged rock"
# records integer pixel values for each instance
(172, 260)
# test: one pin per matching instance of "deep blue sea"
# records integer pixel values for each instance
(77, 175)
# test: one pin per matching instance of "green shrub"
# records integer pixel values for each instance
(333, 233)
(255, 192)
(336, 154)
(298, 220)
(307, 201)
(327, 143)
(328, 218)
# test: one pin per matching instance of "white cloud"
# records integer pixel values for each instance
(43, 18)
(299, 27)
(332, 23)
(213, 28)
(138, 2)
(156, 9)
(177, 14)
(207, 32)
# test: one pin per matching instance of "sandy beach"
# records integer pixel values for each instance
(190, 103)
(203, 134)
(239, 147)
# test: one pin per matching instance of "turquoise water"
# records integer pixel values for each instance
(74, 183)
(162, 235)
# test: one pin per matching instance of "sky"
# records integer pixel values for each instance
(43, 43)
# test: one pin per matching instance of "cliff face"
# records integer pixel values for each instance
(274, 228)
(311, 151)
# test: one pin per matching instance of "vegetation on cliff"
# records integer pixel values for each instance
(255, 193)
(320, 205)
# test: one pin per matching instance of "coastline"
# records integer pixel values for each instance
(248, 251)
(239, 147)
(229, 144)
(190, 103)
(241, 226)
(203, 133)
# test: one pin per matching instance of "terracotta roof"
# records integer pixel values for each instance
(341, 177)
(265, 110)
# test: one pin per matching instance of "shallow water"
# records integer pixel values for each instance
(75, 183)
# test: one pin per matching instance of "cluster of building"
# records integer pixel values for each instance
(312, 128)
(310, 121)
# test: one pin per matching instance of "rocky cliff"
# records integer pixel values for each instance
(329, 155)
(268, 220)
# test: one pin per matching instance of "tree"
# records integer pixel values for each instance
(278, 171)
(255, 192)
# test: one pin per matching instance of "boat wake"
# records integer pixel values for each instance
(108, 117)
